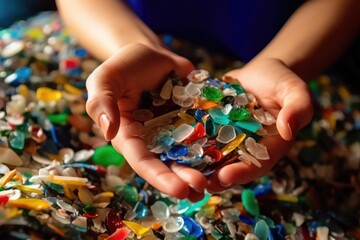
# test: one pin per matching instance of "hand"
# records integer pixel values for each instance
(281, 92)
(114, 91)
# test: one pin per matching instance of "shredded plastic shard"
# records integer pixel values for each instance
(119, 234)
(137, 228)
(250, 203)
(216, 114)
(30, 203)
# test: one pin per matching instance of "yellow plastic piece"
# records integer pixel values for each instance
(30, 203)
(55, 157)
(138, 229)
(228, 148)
(208, 211)
(69, 191)
(287, 198)
(18, 177)
(60, 79)
(214, 200)
(68, 180)
(105, 194)
(187, 118)
(26, 189)
(35, 33)
(6, 178)
(23, 90)
(73, 90)
(12, 212)
(48, 95)
(179, 122)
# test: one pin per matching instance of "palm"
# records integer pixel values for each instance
(282, 93)
(115, 89)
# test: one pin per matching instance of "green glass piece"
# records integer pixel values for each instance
(251, 125)
(239, 114)
(261, 230)
(107, 155)
(57, 187)
(265, 179)
(249, 201)
(208, 211)
(188, 238)
(129, 193)
(59, 119)
(215, 234)
(89, 208)
(238, 88)
(212, 94)
(17, 140)
(289, 228)
(24, 129)
(195, 206)
(314, 85)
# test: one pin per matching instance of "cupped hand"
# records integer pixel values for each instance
(114, 91)
(286, 96)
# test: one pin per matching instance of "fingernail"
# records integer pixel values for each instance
(225, 185)
(197, 189)
(104, 123)
(290, 131)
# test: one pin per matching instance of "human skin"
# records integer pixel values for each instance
(135, 61)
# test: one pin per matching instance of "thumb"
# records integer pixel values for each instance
(102, 102)
(296, 112)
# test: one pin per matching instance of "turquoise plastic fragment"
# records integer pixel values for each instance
(250, 202)
(261, 230)
(183, 206)
(210, 127)
(238, 88)
(218, 116)
(268, 220)
(251, 125)
(141, 210)
(195, 206)
(17, 140)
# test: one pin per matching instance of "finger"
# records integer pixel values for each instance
(147, 166)
(101, 104)
(195, 196)
(296, 110)
(194, 178)
(242, 173)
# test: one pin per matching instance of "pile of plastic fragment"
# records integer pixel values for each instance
(61, 180)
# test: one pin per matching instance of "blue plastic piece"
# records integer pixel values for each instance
(191, 228)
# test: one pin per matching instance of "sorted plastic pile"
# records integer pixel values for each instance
(60, 179)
